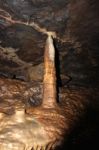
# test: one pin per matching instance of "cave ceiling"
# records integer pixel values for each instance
(24, 25)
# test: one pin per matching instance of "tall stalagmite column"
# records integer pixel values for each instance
(49, 82)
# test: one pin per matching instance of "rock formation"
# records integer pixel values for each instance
(50, 108)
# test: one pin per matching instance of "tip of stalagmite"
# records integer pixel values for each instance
(49, 39)
(50, 48)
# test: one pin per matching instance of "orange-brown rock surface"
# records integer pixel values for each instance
(24, 27)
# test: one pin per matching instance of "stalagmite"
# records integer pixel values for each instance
(35, 127)
(49, 82)
(26, 127)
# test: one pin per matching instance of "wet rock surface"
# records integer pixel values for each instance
(19, 106)
(24, 25)
(23, 28)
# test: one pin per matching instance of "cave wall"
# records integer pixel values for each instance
(76, 25)
(24, 25)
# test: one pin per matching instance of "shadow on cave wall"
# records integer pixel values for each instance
(85, 134)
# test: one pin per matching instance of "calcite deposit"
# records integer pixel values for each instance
(46, 96)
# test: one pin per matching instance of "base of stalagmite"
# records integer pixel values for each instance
(21, 132)
(23, 127)
(33, 128)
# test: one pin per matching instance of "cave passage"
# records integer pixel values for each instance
(32, 33)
